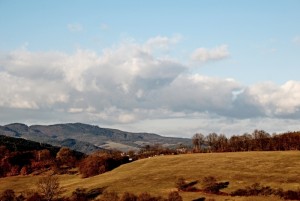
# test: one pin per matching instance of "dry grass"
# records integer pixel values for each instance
(158, 175)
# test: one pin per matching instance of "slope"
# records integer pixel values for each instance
(158, 175)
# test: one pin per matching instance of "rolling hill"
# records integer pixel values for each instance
(88, 138)
(158, 175)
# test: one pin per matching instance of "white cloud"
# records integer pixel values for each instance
(204, 55)
(162, 42)
(196, 93)
(128, 84)
(75, 27)
(276, 100)
(22, 93)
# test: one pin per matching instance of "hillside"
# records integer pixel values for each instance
(158, 175)
(19, 144)
(87, 138)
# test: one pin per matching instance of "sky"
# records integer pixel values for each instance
(174, 68)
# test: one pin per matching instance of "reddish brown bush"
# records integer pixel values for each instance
(174, 196)
(128, 197)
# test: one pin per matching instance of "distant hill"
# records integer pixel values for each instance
(88, 138)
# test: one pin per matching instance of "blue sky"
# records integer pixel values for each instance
(241, 58)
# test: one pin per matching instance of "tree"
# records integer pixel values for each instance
(198, 140)
(261, 139)
(212, 140)
(3, 151)
(43, 155)
(222, 143)
(66, 157)
(49, 187)
(92, 165)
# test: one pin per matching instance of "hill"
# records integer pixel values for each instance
(158, 175)
(19, 144)
(88, 138)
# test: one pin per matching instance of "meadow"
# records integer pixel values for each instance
(157, 175)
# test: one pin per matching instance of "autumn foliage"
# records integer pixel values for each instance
(101, 162)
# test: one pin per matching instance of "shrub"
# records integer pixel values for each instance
(110, 196)
(49, 187)
(174, 196)
(257, 189)
(209, 184)
(25, 170)
(8, 195)
(34, 197)
(147, 197)
(93, 193)
(292, 195)
(79, 195)
(180, 184)
(128, 197)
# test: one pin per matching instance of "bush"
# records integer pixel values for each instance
(209, 184)
(34, 197)
(180, 184)
(257, 189)
(128, 197)
(110, 196)
(292, 195)
(148, 197)
(49, 187)
(174, 196)
(93, 193)
(79, 195)
(8, 195)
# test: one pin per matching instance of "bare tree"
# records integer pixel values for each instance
(198, 140)
(212, 140)
(222, 143)
(49, 187)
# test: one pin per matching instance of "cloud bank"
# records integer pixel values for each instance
(131, 83)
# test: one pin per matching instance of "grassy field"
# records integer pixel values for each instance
(157, 175)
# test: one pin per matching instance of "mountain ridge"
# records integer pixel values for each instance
(89, 138)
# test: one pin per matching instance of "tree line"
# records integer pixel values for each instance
(259, 140)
